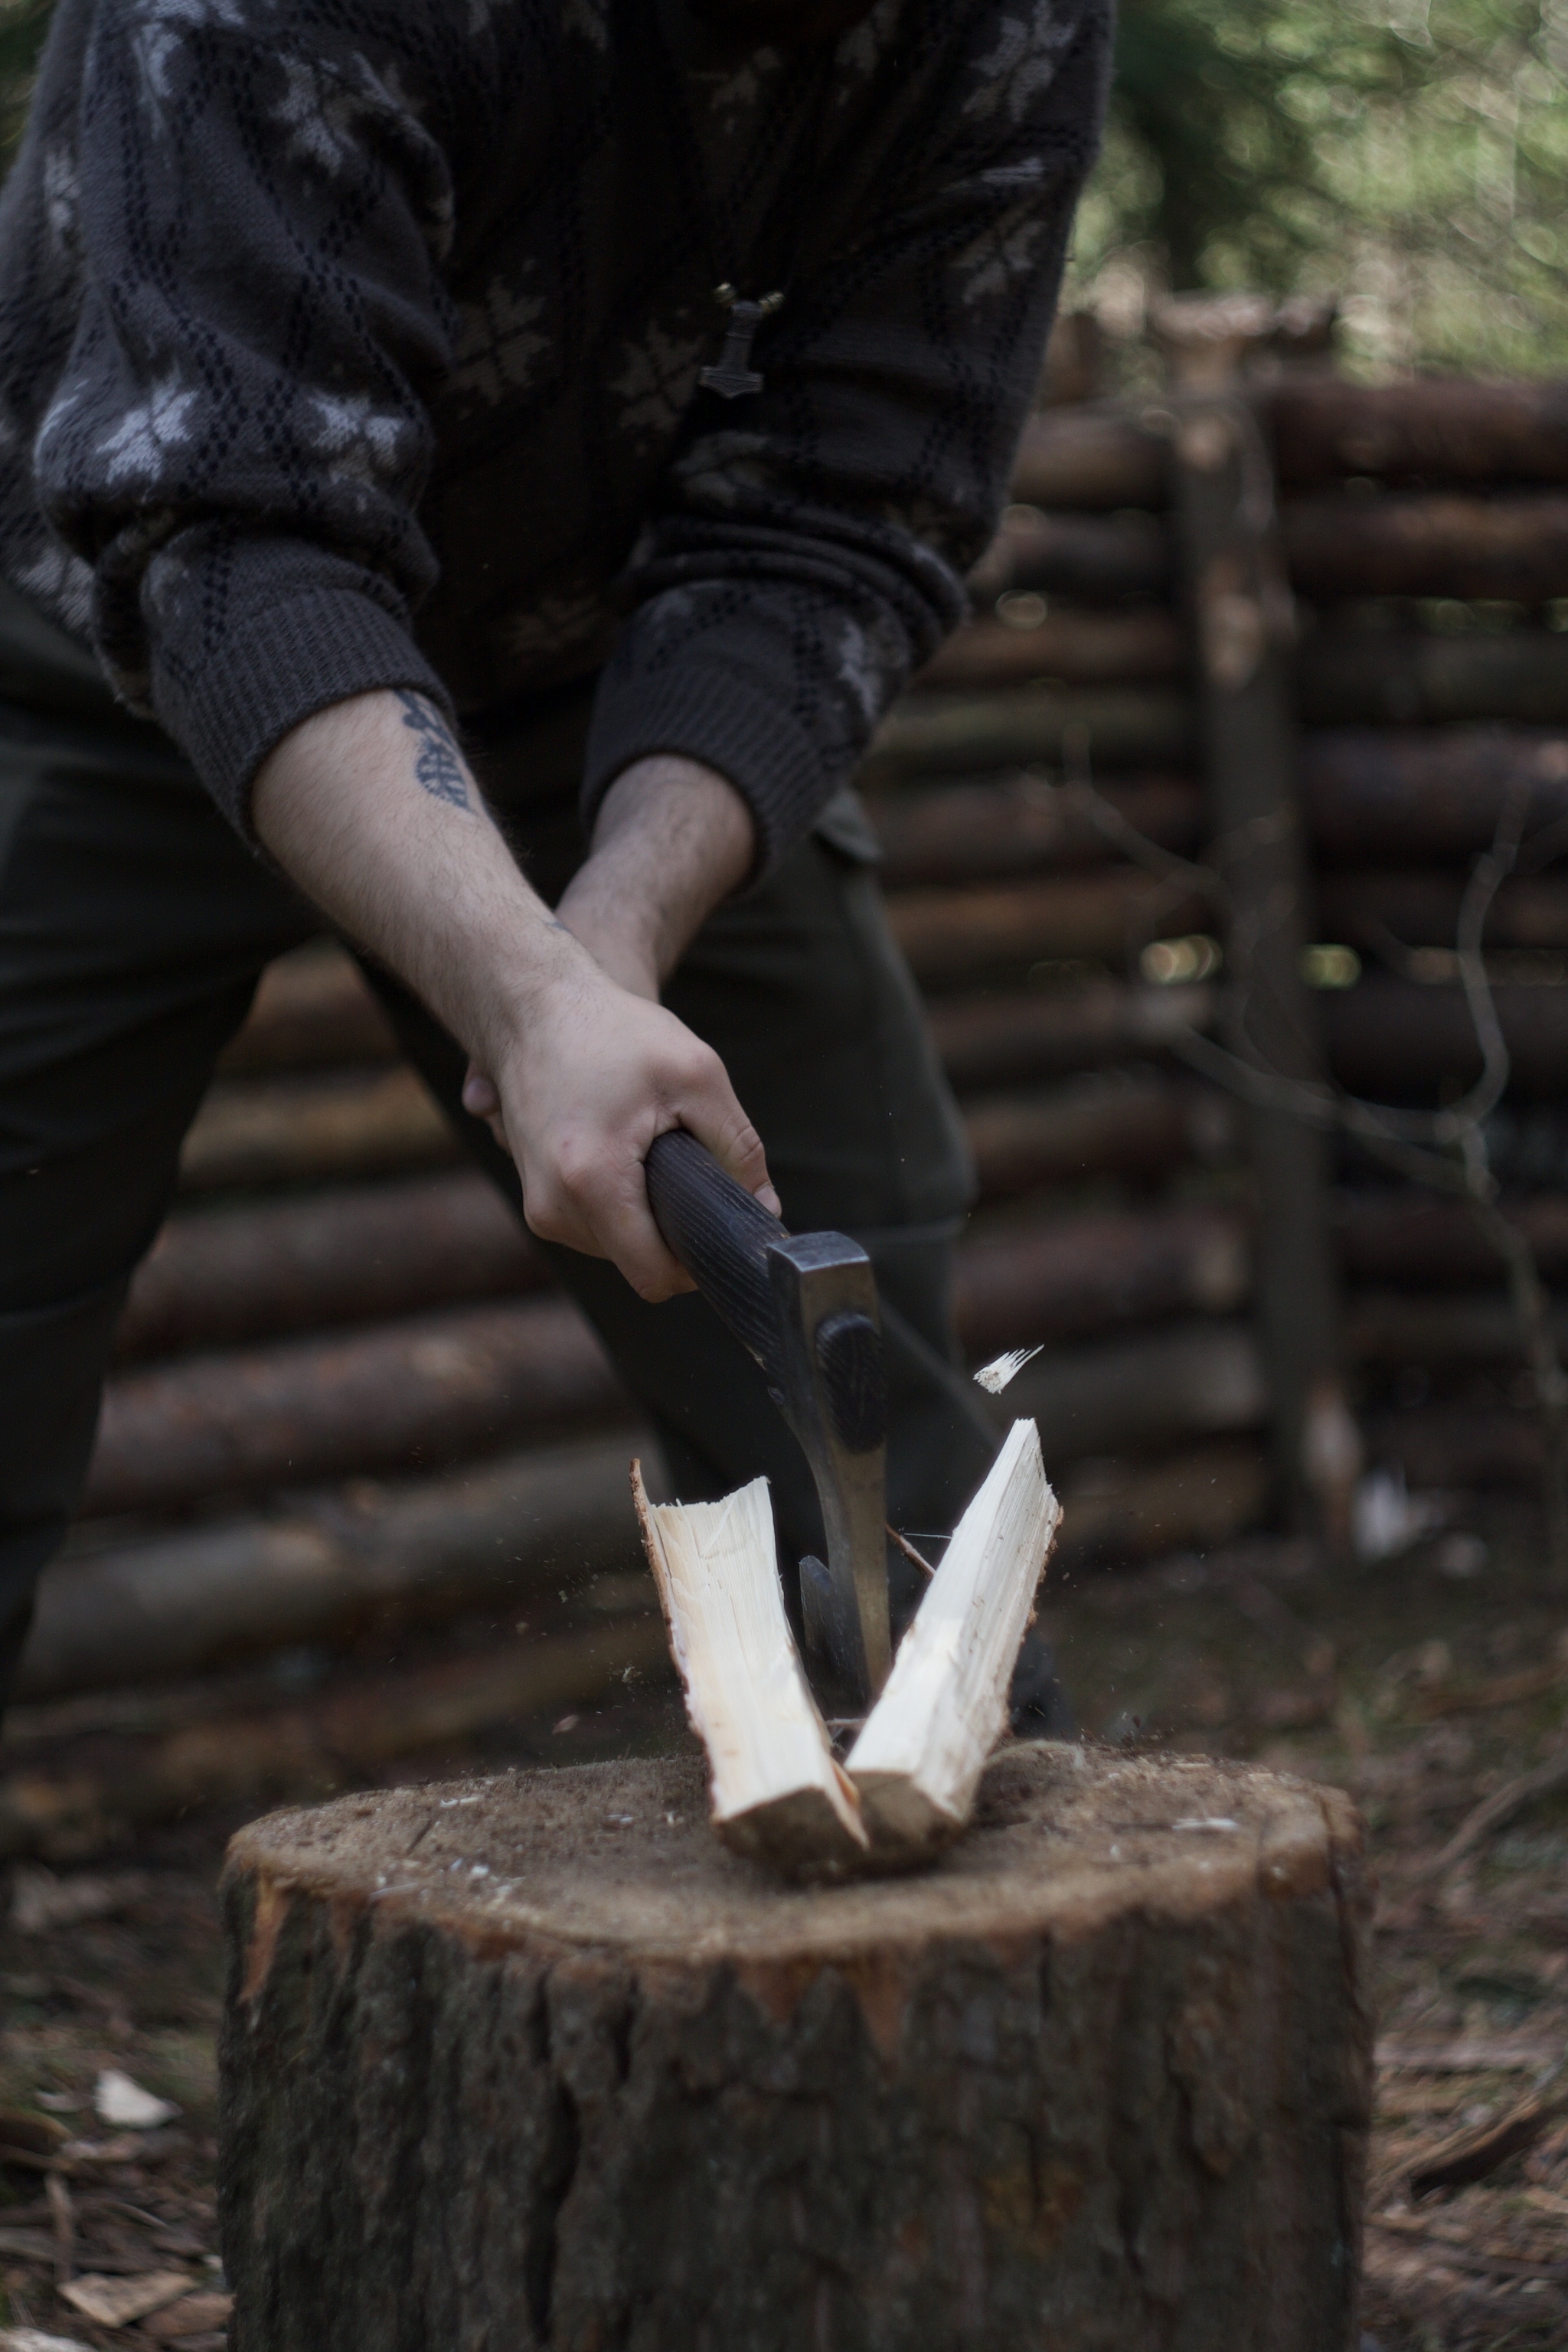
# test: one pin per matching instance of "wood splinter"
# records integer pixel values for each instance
(908, 1787)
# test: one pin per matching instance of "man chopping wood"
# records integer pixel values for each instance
(476, 472)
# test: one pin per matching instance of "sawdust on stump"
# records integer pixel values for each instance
(534, 2061)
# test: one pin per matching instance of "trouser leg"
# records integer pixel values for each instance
(132, 927)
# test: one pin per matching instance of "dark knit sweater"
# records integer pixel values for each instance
(355, 343)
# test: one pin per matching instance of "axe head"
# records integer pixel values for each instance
(833, 1393)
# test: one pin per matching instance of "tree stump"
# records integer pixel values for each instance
(534, 2061)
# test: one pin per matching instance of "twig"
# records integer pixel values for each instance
(1446, 1149)
(63, 2215)
(1472, 2154)
(1497, 1809)
(908, 1550)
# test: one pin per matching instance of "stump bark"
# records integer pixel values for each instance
(534, 2061)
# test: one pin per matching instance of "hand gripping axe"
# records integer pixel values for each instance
(804, 1305)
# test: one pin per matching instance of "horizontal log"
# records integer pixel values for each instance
(433, 1388)
(1193, 1501)
(1077, 649)
(1389, 796)
(981, 833)
(1401, 677)
(68, 1806)
(1400, 544)
(1077, 1276)
(956, 735)
(1450, 1446)
(956, 935)
(312, 1005)
(1111, 1123)
(1389, 1328)
(447, 1387)
(1090, 458)
(220, 1277)
(1442, 428)
(1145, 1394)
(331, 1566)
(266, 1132)
(1395, 1234)
(1422, 909)
(1396, 1041)
(1008, 1040)
(1097, 559)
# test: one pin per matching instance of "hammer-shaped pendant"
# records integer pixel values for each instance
(733, 374)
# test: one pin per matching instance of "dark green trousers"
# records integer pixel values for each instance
(133, 926)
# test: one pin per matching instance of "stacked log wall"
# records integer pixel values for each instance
(338, 1299)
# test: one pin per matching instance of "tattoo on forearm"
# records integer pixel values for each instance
(438, 767)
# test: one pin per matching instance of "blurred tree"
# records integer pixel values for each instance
(23, 23)
(1407, 153)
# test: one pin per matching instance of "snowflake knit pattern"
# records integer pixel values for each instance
(355, 344)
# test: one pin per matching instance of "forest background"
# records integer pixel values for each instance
(1408, 156)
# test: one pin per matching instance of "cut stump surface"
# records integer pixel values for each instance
(534, 2061)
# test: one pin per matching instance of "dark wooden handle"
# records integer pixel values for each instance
(720, 1235)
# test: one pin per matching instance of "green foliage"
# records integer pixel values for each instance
(1408, 154)
(23, 23)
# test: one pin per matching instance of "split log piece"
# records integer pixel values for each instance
(1513, 546)
(1401, 677)
(650, 2094)
(1444, 429)
(428, 1390)
(1392, 796)
(327, 1566)
(218, 1277)
(1422, 909)
(1090, 459)
(68, 1808)
(957, 735)
(983, 832)
(311, 1006)
(916, 1763)
(1097, 559)
(776, 1791)
(1394, 1233)
(950, 936)
(266, 1132)
(1141, 648)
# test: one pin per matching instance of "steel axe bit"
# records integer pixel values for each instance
(804, 1306)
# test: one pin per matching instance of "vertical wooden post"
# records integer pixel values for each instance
(1239, 606)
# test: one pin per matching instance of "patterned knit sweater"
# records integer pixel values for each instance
(355, 344)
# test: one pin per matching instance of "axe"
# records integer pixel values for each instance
(803, 1306)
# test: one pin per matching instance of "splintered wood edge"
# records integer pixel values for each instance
(907, 1826)
(800, 1834)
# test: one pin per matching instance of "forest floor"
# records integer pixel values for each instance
(1424, 1686)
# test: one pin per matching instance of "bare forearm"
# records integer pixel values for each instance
(371, 809)
(673, 840)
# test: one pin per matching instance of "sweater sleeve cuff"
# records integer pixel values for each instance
(291, 658)
(696, 711)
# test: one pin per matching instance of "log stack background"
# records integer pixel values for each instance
(346, 1393)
